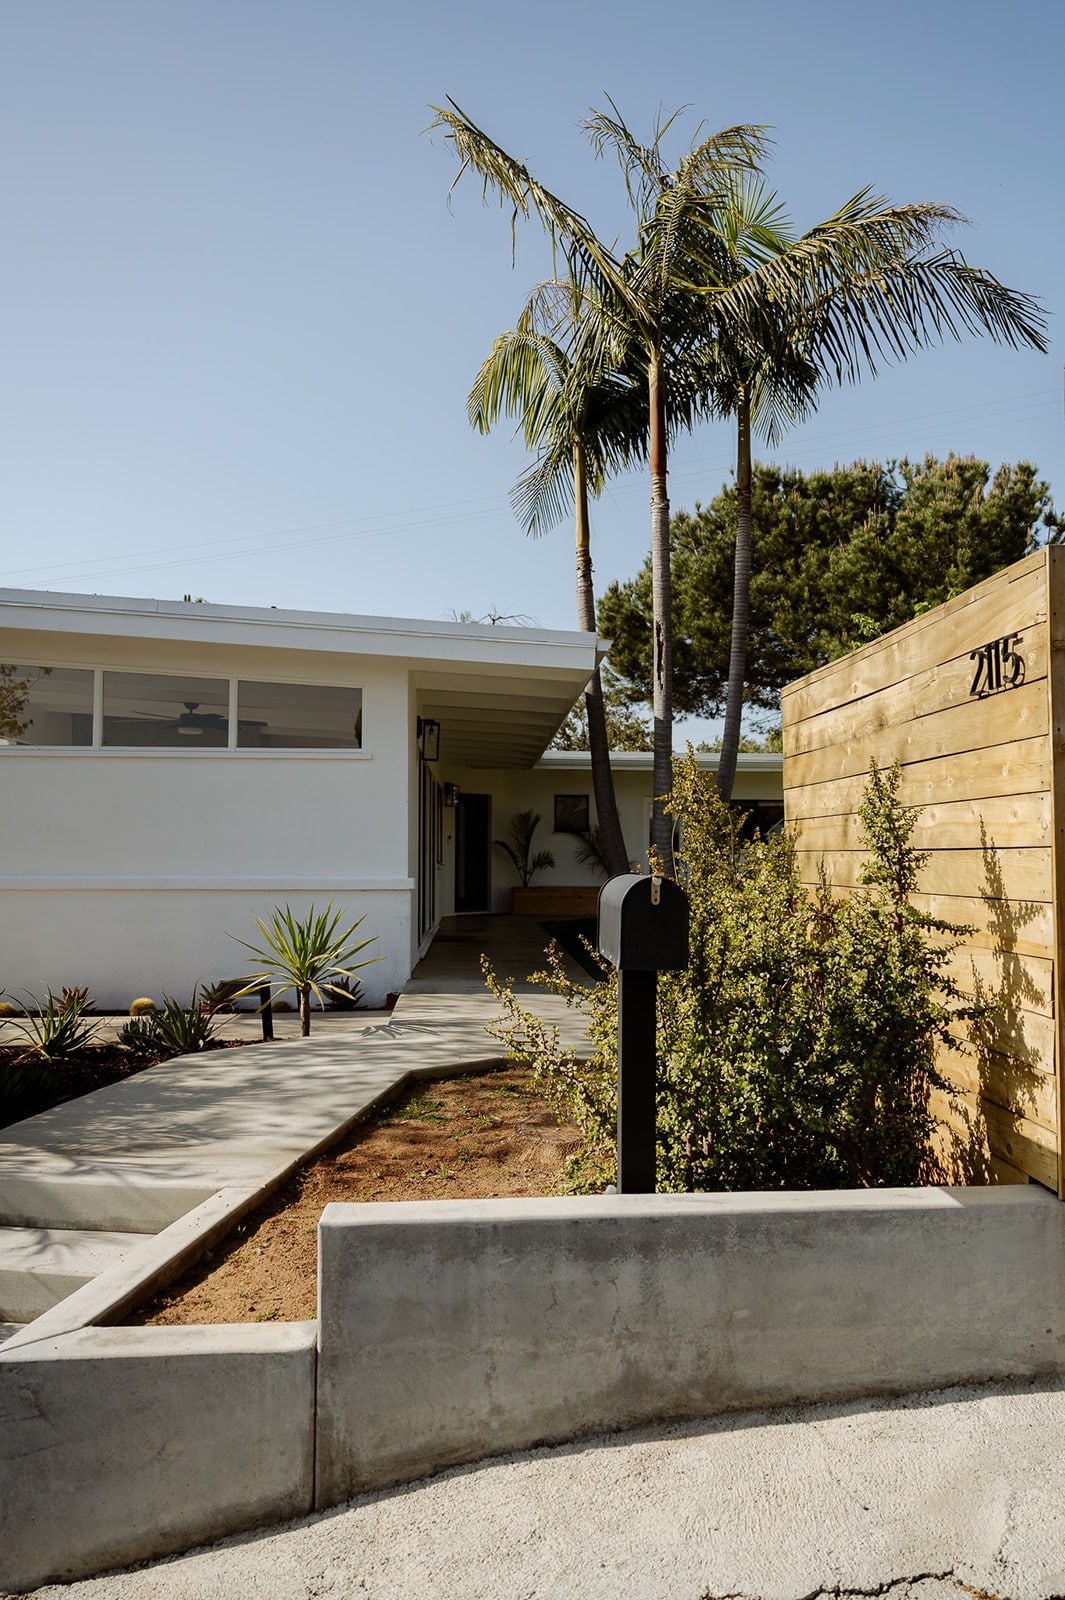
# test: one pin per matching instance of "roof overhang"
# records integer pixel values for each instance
(499, 693)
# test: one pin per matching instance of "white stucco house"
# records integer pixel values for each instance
(170, 770)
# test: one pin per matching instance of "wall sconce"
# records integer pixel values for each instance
(429, 739)
(451, 794)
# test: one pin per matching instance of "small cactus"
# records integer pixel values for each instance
(142, 1007)
(281, 1005)
(7, 1009)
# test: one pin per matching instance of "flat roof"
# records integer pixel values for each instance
(413, 637)
(500, 693)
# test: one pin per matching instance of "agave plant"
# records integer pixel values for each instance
(312, 956)
(183, 1029)
(519, 847)
(57, 1029)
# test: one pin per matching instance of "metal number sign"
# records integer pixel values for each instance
(998, 666)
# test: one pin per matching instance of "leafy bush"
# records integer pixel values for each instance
(797, 1049)
(310, 956)
(58, 1028)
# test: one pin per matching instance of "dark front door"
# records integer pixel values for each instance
(473, 852)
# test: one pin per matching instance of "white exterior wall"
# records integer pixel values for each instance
(536, 790)
(125, 870)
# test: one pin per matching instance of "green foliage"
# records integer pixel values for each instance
(346, 995)
(839, 557)
(139, 1037)
(797, 1049)
(518, 847)
(14, 698)
(312, 956)
(626, 728)
(57, 1029)
(182, 1030)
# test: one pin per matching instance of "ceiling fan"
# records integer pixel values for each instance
(193, 722)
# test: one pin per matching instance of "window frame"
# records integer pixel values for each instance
(154, 752)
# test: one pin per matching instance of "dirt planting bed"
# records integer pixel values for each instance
(464, 1138)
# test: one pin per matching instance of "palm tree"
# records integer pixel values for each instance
(644, 302)
(872, 282)
(582, 424)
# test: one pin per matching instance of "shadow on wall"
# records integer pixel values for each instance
(1011, 1068)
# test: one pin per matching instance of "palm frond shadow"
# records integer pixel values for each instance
(1011, 1066)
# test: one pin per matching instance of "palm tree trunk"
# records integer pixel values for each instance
(305, 1009)
(741, 603)
(611, 838)
(661, 612)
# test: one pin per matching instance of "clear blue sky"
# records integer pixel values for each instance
(240, 320)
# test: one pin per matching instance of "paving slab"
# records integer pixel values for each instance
(41, 1266)
(180, 1151)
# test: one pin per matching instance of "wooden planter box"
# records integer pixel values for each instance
(576, 901)
(970, 699)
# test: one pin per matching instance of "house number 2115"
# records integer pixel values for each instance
(998, 666)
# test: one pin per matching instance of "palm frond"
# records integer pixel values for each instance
(591, 263)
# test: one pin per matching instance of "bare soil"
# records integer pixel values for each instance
(464, 1138)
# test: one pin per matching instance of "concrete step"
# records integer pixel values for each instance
(127, 1201)
(41, 1266)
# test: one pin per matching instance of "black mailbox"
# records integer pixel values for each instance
(643, 924)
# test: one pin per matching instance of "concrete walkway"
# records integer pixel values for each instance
(103, 1197)
(949, 1496)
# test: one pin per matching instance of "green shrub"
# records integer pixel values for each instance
(58, 1028)
(182, 1030)
(139, 1037)
(798, 1048)
(175, 1030)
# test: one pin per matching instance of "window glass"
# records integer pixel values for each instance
(163, 712)
(45, 705)
(298, 716)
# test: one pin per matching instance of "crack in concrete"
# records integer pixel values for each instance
(879, 1592)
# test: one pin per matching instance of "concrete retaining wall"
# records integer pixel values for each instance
(453, 1330)
(123, 1443)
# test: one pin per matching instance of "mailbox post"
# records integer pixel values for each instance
(643, 930)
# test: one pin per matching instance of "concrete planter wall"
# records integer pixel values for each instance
(452, 1330)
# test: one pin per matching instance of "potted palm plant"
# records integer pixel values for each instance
(517, 847)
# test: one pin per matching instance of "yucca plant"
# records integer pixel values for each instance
(57, 1029)
(310, 955)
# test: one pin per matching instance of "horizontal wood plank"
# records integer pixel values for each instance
(1010, 821)
(1024, 876)
(1020, 983)
(1012, 599)
(1022, 767)
(1022, 713)
(923, 694)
